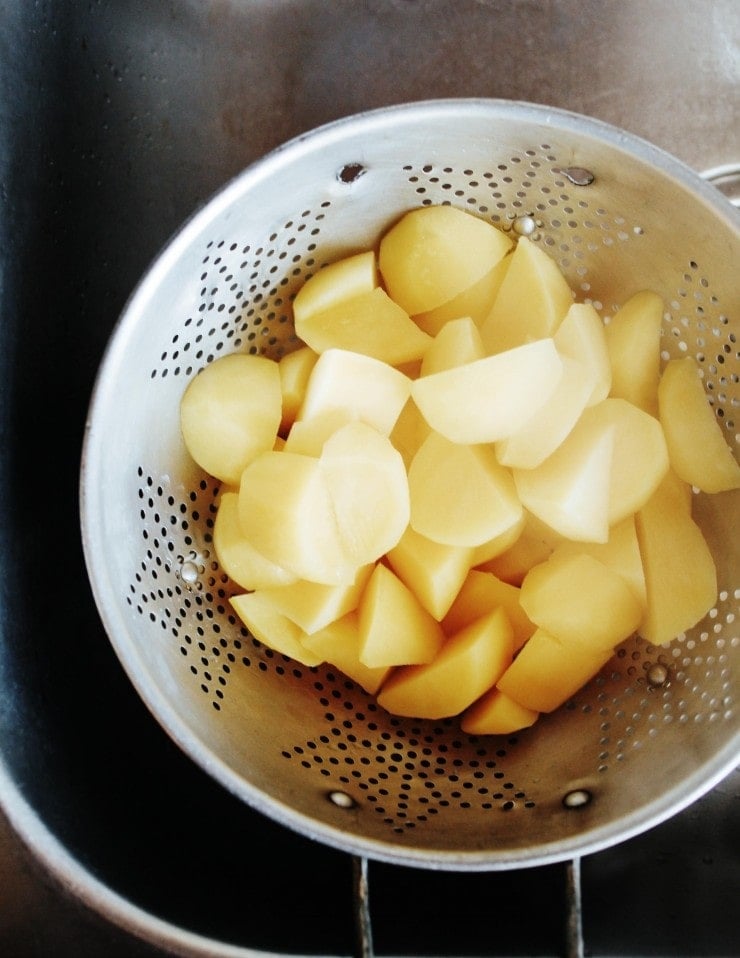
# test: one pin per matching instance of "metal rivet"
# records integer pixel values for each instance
(578, 175)
(189, 572)
(577, 798)
(524, 225)
(657, 674)
(342, 799)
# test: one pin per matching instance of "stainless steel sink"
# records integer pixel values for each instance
(117, 120)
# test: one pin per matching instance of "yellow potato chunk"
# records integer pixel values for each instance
(433, 253)
(640, 459)
(480, 593)
(491, 398)
(339, 644)
(633, 343)
(580, 601)
(369, 491)
(357, 387)
(498, 544)
(547, 673)
(395, 628)
(457, 343)
(680, 574)
(344, 279)
(476, 301)
(468, 664)
(434, 572)
(620, 553)
(496, 714)
(372, 324)
(313, 605)
(581, 336)
(570, 490)
(307, 436)
(323, 518)
(605, 469)
(295, 369)
(534, 543)
(533, 299)
(684, 494)
(286, 511)
(697, 447)
(236, 555)
(459, 494)
(540, 436)
(230, 413)
(272, 628)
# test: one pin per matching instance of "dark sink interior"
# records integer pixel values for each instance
(117, 120)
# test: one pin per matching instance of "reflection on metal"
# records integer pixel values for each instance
(574, 913)
(364, 937)
(727, 180)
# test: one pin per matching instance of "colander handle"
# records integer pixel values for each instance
(574, 944)
(363, 925)
(726, 178)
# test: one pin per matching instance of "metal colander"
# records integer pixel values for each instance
(652, 732)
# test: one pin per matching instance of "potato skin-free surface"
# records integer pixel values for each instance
(460, 495)
(230, 413)
(469, 663)
(531, 302)
(395, 628)
(680, 574)
(698, 451)
(236, 553)
(433, 253)
(633, 344)
(580, 601)
(495, 713)
(490, 398)
(546, 672)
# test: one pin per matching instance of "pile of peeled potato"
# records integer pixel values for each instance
(463, 489)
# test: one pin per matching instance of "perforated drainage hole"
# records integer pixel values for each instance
(342, 800)
(577, 798)
(350, 172)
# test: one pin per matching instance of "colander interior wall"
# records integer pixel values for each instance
(297, 742)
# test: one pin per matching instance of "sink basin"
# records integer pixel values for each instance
(117, 121)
